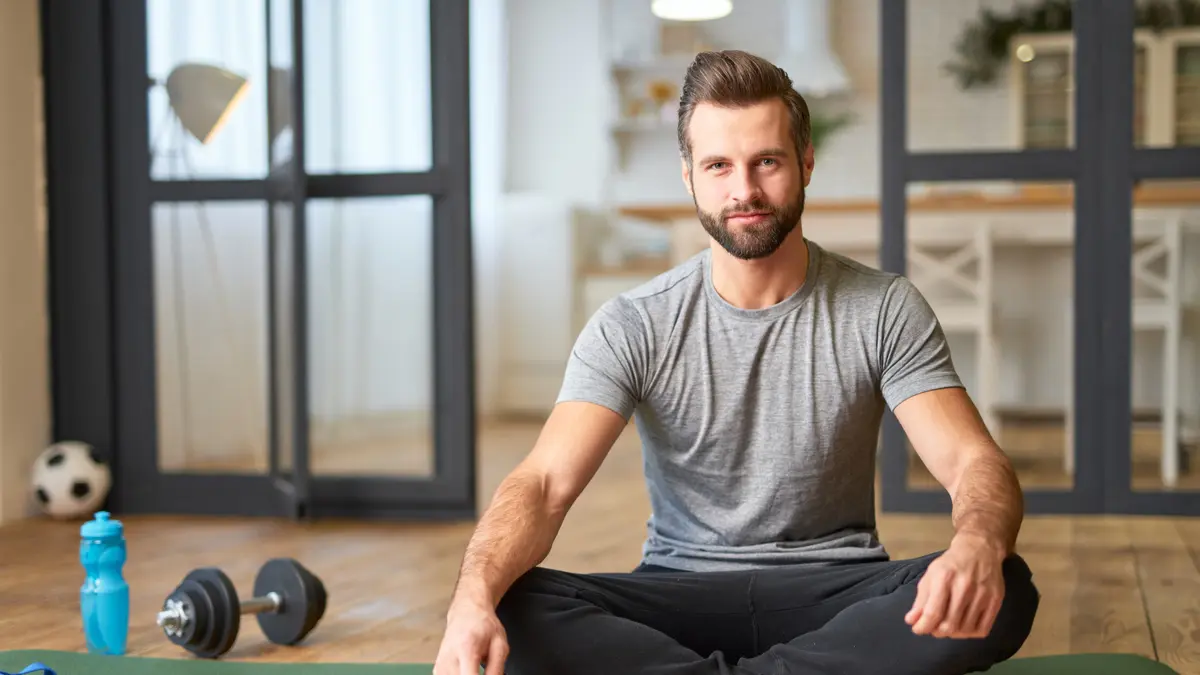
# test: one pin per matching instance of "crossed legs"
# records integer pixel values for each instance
(795, 620)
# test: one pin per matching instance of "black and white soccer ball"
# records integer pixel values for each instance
(70, 480)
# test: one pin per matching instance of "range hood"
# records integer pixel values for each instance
(807, 54)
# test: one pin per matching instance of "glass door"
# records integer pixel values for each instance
(292, 257)
(1154, 202)
(390, 356)
(989, 204)
(1047, 202)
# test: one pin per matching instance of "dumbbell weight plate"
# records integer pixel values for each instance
(303, 600)
(193, 598)
(215, 620)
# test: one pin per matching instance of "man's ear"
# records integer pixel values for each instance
(807, 163)
(687, 177)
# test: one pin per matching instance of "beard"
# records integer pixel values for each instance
(757, 240)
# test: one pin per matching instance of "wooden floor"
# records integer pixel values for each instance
(1109, 584)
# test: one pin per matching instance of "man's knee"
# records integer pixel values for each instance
(1014, 621)
(528, 598)
(525, 611)
(1020, 593)
(1010, 628)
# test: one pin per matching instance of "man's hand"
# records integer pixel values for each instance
(474, 636)
(961, 592)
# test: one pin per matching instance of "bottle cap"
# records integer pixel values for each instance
(102, 526)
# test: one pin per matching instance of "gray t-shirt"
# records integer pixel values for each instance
(759, 427)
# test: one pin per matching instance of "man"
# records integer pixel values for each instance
(758, 372)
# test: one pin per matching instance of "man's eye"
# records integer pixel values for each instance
(768, 160)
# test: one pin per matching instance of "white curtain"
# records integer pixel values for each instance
(367, 109)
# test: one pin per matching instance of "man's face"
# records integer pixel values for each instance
(746, 180)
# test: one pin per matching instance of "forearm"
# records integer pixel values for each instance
(515, 533)
(988, 502)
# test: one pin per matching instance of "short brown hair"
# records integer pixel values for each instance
(734, 78)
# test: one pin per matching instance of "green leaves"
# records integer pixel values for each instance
(981, 50)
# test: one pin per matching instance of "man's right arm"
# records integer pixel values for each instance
(605, 379)
(527, 510)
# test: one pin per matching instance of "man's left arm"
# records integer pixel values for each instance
(946, 430)
(961, 592)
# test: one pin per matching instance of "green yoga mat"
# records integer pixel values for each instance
(72, 663)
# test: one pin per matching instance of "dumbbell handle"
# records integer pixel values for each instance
(271, 602)
(173, 618)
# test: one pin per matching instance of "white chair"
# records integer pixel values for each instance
(953, 268)
(1159, 308)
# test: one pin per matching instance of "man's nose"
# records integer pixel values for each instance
(745, 187)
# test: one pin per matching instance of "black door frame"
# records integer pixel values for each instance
(1103, 165)
(102, 311)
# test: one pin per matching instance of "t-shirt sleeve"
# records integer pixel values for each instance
(914, 356)
(607, 364)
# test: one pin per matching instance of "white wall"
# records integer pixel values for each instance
(560, 108)
(541, 106)
(489, 151)
(370, 279)
(556, 99)
(562, 43)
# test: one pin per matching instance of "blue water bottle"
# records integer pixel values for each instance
(104, 597)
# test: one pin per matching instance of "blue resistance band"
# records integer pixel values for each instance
(38, 667)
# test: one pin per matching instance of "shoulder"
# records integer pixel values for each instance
(876, 300)
(853, 284)
(641, 319)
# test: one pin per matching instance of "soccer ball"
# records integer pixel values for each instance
(70, 480)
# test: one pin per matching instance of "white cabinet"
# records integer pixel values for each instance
(551, 284)
(1166, 107)
(597, 289)
(536, 300)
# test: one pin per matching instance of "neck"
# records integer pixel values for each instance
(763, 282)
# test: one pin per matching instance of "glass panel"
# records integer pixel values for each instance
(1141, 92)
(1166, 77)
(995, 261)
(282, 241)
(284, 335)
(1166, 336)
(988, 77)
(208, 101)
(1044, 117)
(210, 320)
(367, 86)
(280, 82)
(370, 335)
(1187, 89)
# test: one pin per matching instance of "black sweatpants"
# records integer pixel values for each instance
(798, 620)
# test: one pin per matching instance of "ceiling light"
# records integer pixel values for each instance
(691, 10)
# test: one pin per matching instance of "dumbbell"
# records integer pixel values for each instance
(203, 613)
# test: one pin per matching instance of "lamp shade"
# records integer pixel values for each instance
(691, 10)
(203, 96)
